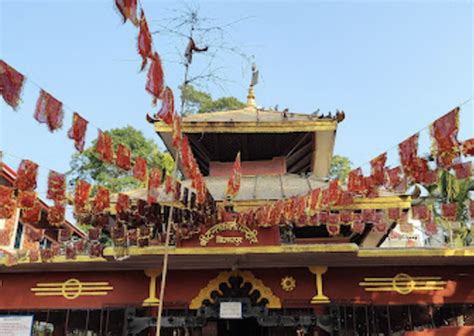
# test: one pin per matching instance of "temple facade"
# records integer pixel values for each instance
(301, 278)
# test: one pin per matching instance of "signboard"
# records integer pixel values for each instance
(230, 310)
(16, 325)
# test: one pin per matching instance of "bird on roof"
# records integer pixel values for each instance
(315, 112)
(276, 107)
(285, 113)
(340, 116)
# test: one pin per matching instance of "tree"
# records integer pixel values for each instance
(196, 101)
(340, 168)
(451, 190)
(87, 166)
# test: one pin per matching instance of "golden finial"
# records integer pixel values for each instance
(251, 95)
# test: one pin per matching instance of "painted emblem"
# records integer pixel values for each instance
(288, 283)
(403, 283)
(72, 289)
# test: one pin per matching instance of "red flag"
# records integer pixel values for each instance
(468, 147)
(394, 213)
(345, 198)
(124, 157)
(378, 169)
(56, 214)
(346, 216)
(355, 182)
(333, 191)
(154, 181)
(368, 215)
(49, 111)
(233, 184)
(168, 184)
(11, 84)
(128, 10)
(408, 150)
(123, 204)
(315, 199)
(430, 227)
(7, 202)
(371, 190)
(334, 218)
(419, 169)
(430, 177)
(463, 170)
(300, 202)
(56, 186)
(333, 229)
(78, 131)
(289, 209)
(144, 41)
(185, 155)
(104, 147)
(31, 215)
(449, 211)
(471, 209)
(276, 212)
(102, 200)
(166, 112)
(26, 175)
(140, 169)
(323, 217)
(420, 212)
(177, 135)
(358, 226)
(444, 133)
(26, 199)
(155, 76)
(81, 196)
(324, 199)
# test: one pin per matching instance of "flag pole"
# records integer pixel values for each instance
(166, 254)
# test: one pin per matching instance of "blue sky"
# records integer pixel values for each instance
(393, 67)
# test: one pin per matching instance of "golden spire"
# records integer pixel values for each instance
(251, 98)
(254, 81)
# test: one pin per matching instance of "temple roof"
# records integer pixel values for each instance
(306, 141)
(260, 189)
(254, 120)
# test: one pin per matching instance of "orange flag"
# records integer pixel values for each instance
(233, 184)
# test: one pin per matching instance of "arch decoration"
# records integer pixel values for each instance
(205, 294)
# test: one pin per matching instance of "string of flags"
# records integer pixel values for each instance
(137, 222)
(49, 110)
(320, 206)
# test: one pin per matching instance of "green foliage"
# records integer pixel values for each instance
(451, 190)
(340, 168)
(87, 165)
(196, 101)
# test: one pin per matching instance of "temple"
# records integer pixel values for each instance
(308, 277)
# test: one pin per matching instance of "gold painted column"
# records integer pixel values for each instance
(319, 297)
(152, 300)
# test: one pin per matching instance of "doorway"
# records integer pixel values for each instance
(239, 327)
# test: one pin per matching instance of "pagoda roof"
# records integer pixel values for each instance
(252, 120)
(306, 140)
(260, 189)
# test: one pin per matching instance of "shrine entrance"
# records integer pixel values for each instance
(248, 326)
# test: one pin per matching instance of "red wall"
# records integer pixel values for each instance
(276, 166)
(341, 285)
